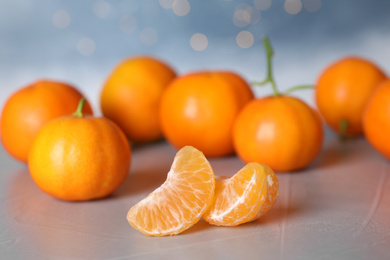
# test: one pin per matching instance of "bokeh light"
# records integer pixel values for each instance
(245, 15)
(245, 39)
(242, 16)
(262, 4)
(149, 36)
(166, 4)
(199, 42)
(312, 5)
(128, 24)
(86, 46)
(101, 8)
(61, 19)
(293, 6)
(255, 16)
(181, 7)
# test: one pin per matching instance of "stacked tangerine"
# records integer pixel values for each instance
(70, 156)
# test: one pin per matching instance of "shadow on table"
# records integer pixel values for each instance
(198, 227)
(20, 183)
(274, 216)
(335, 152)
(279, 214)
(141, 181)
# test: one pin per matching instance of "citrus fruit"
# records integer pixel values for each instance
(199, 109)
(376, 120)
(79, 157)
(282, 132)
(239, 199)
(342, 92)
(131, 96)
(180, 201)
(31, 107)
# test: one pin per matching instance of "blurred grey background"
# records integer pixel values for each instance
(80, 42)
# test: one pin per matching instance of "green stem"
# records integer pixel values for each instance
(260, 84)
(79, 110)
(269, 78)
(288, 91)
(270, 54)
(343, 127)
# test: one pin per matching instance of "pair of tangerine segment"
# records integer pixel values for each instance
(246, 196)
(180, 201)
(191, 191)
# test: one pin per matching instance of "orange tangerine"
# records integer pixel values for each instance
(376, 119)
(343, 91)
(199, 109)
(28, 109)
(279, 130)
(79, 157)
(131, 96)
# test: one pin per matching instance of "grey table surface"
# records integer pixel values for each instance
(338, 208)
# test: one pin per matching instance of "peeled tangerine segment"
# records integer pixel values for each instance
(249, 194)
(180, 201)
(272, 191)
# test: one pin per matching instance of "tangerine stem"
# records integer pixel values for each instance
(260, 84)
(343, 127)
(288, 91)
(269, 78)
(270, 54)
(79, 110)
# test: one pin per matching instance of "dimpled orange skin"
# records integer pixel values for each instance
(343, 90)
(131, 97)
(78, 159)
(281, 132)
(31, 107)
(199, 109)
(376, 120)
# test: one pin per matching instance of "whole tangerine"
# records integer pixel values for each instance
(342, 92)
(79, 157)
(131, 96)
(30, 108)
(376, 119)
(280, 131)
(199, 109)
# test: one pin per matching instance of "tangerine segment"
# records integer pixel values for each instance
(180, 201)
(272, 191)
(238, 199)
